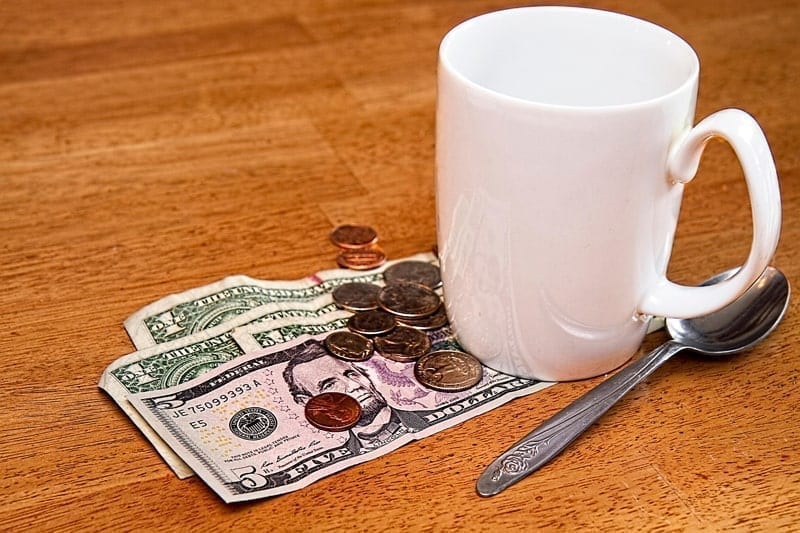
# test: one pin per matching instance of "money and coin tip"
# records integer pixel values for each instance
(393, 318)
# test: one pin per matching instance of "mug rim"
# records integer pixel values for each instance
(446, 62)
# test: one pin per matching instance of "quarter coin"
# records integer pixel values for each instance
(408, 300)
(361, 258)
(333, 411)
(403, 344)
(371, 323)
(350, 236)
(448, 370)
(349, 346)
(356, 296)
(434, 321)
(413, 272)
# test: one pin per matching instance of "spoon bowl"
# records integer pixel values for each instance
(734, 328)
(741, 325)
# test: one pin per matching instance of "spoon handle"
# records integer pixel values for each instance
(556, 433)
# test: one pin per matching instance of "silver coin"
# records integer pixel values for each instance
(413, 272)
(435, 321)
(403, 344)
(409, 300)
(349, 346)
(356, 296)
(371, 323)
(448, 370)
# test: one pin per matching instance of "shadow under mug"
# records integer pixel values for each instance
(564, 139)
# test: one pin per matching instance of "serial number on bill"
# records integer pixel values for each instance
(217, 400)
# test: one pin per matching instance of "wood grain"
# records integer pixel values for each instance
(151, 146)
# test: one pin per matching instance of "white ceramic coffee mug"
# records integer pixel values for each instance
(564, 138)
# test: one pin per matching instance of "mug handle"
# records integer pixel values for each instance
(747, 139)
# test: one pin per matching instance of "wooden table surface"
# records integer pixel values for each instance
(152, 146)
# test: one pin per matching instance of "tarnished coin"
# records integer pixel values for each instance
(356, 296)
(349, 236)
(333, 411)
(349, 346)
(409, 300)
(413, 272)
(361, 258)
(371, 323)
(448, 371)
(434, 321)
(403, 344)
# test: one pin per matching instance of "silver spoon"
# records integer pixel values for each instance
(732, 329)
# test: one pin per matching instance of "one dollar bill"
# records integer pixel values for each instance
(241, 427)
(190, 312)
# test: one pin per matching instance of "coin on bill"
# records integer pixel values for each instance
(414, 272)
(356, 296)
(408, 300)
(403, 344)
(349, 346)
(448, 370)
(333, 411)
(371, 323)
(426, 323)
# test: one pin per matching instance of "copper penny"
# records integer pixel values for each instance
(349, 346)
(403, 344)
(361, 258)
(371, 323)
(435, 321)
(333, 411)
(448, 371)
(413, 272)
(356, 296)
(408, 300)
(350, 236)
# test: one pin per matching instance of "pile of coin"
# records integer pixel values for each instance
(392, 321)
(358, 247)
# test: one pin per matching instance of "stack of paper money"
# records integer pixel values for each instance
(215, 385)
